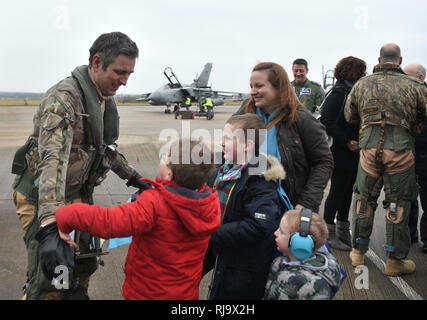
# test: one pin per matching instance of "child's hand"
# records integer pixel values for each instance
(67, 238)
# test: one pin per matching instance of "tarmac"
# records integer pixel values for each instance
(143, 131)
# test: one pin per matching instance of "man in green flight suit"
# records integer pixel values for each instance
(389, 106)
(310, 93)
(70, 152)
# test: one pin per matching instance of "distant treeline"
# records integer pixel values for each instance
(127, 97)
(20, 95)
(35, 95)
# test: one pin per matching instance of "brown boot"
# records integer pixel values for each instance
(357, 257)
(396, 268)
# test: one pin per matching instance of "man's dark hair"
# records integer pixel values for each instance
(109, 45)
(301, 61)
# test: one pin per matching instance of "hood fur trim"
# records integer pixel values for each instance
(275, 170)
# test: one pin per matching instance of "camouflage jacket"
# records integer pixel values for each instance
(68, 134)
(316, 278)
(310, 93)
(390, 92)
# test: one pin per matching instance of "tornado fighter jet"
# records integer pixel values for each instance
(183, 95)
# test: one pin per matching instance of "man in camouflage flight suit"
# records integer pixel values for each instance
(389, 106)
(69, 152)
(310, 93)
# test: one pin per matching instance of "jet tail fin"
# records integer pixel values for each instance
(202, 80)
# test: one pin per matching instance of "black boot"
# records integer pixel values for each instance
(343, 232)
(335, 242)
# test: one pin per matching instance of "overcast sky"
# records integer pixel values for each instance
(43, 41)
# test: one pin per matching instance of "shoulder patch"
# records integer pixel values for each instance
(51, 121)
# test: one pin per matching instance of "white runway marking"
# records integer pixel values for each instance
(401, 284)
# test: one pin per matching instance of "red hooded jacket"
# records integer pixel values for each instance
(171, 227)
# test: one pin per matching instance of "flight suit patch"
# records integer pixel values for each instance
(305, 91)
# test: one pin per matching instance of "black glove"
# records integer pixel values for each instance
(135, 181)
(55, 252)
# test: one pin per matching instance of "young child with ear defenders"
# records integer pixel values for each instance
(306, 271)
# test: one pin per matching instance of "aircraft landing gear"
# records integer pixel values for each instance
(168, 109)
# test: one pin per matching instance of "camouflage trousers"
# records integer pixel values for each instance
(400, 191)
(37, 286)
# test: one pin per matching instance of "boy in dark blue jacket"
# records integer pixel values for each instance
(242, 249)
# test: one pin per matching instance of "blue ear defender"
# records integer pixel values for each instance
(301, 243)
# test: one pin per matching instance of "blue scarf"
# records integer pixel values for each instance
(271, 147)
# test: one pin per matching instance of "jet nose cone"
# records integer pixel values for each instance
(155, 98)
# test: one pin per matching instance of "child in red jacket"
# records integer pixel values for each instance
(170, 224)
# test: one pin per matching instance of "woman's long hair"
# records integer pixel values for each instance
(289, 102)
